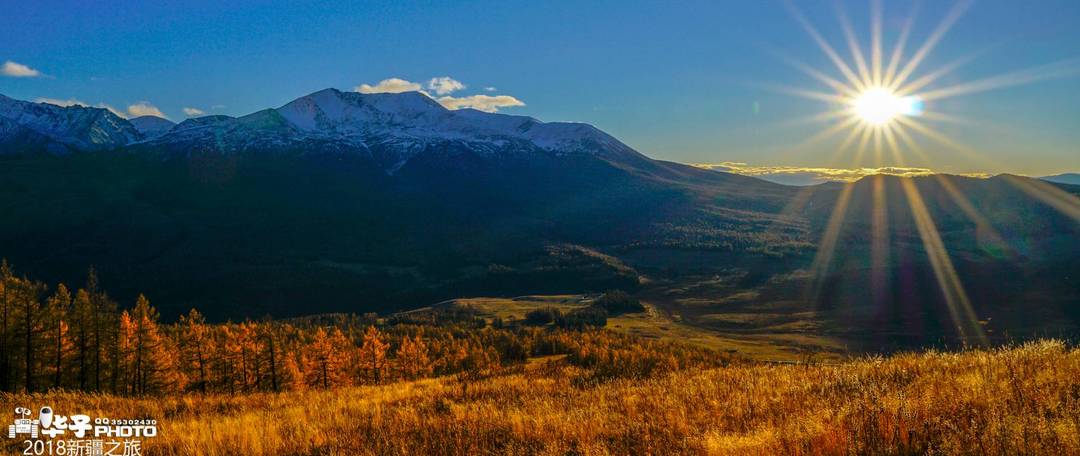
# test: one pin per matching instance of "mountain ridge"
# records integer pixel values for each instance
(342, 202)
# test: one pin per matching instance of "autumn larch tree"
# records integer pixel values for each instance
(373, 354)
(412, 358)
(59, 342)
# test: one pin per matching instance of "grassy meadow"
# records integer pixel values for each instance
(660, 322)
(1019, 400)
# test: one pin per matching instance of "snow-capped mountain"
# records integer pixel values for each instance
(152, 126)
(56, 129)
(391, 128)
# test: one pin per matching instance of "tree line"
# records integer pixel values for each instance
(55, 338)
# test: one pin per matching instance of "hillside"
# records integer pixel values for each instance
(1066, 178)
(1019, 400)
(348, 202)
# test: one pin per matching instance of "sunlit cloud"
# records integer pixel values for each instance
(193, 112)
(800, 175)
(392, 85)
(18, 70)
(486, 103)
(444, 85)
(439, 89)
(63, 103)
(144, 108)
(74, 102)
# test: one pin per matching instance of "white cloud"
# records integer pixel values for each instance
(18, 70)
(76, 102)
(484, 103)
(193, 112)
(58, 102)
(112, 110)
(144, 108)
(444, 85)
(797, 175)
(392, 85)
(490, 89)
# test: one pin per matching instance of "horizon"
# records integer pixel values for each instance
(510, 227)
(784, 175)
(698, 103)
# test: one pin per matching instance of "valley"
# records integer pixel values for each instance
(351, 203)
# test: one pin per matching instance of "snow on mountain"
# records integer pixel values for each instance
(152, 126)
(417, 117)
(60, 129)
(390, 128)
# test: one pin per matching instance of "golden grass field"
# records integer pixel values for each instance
(775, 344)
(1020, 400)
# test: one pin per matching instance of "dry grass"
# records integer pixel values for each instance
(1022, 400)
(775, 343)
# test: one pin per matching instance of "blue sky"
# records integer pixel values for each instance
(676, 80)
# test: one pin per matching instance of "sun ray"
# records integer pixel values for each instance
(825, 47)
(949, 118)
(864, 140)
(848, 141)
(828, 133)
(901, 44)
(1064, 68)
(905, 137)
(853, 46)
(820, 117)
(848, 122)
(1063, 201)
(878, 139)
(956, 298)
(835, 84)
(890, 139)
(799, 92)
(879, 245)
(928, 132)
(929, 78)
(803, 196)
(875, 42)
(939, 32)
(984, 230)
(827, 246)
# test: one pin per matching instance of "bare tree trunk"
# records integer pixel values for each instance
(59, 351)
(28, 318)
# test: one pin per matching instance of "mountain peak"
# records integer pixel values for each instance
(63, 128)
(390, 128)
(347, 112)
(152, 126)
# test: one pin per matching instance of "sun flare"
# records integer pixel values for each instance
(879, 106)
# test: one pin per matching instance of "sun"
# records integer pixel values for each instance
(879, 106)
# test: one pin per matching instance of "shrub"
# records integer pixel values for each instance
(617, 302)
(540, 317)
